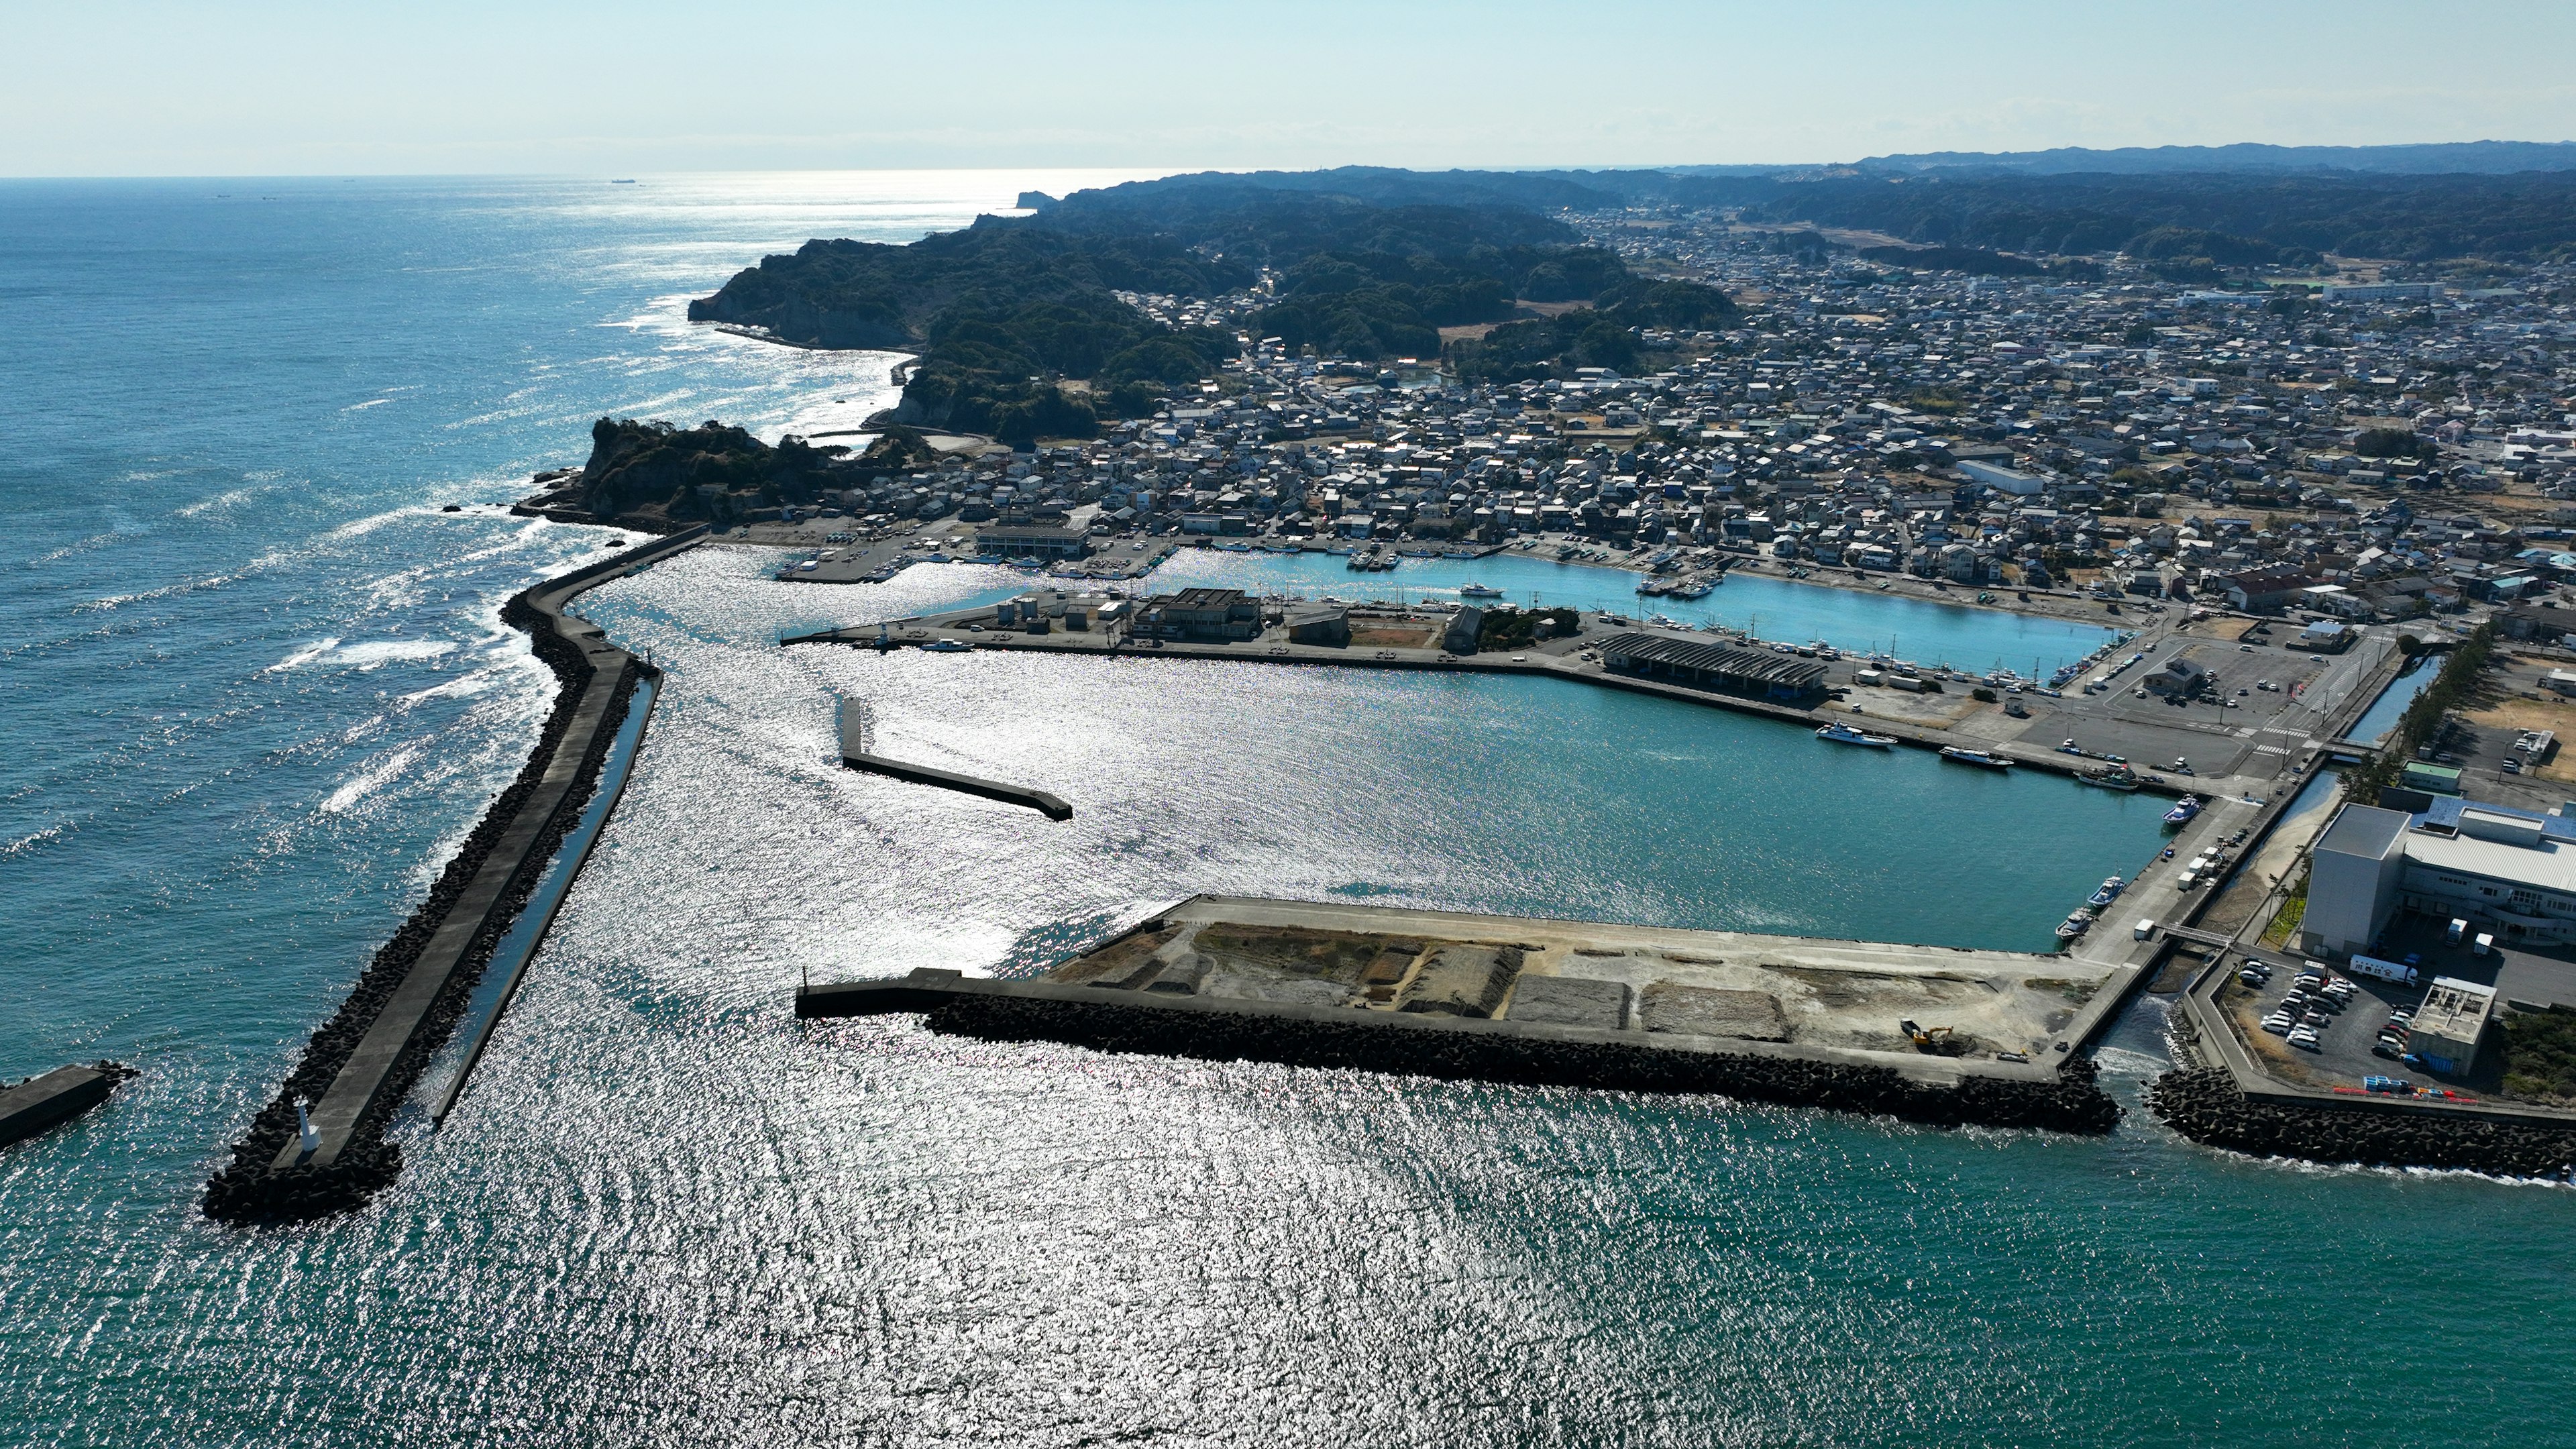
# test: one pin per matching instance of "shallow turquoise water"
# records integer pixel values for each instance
(257, 690)
(1963, 636)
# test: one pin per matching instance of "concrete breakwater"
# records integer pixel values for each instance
(856, 754)
(359, 1065)
(56, 1097)
(1459, 1051)
(2205, 1105)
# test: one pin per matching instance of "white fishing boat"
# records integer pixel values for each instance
(1839, 733)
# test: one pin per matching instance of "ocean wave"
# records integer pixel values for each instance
(305, 655)
(334, 654)
(28, 844)
(461, 687)
(389, 651)
(221, 501)
(358, 527)
(368, 782)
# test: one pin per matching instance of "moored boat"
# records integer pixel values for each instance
(1979, 758)
(1839, 733)
(2114, 778)
(2182, 813)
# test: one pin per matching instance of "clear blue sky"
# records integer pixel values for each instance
(107, 87)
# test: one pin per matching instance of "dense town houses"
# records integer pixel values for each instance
(2381, 448)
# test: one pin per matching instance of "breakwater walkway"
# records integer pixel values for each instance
(856, 754)
(56, 1097)
(363, 1061)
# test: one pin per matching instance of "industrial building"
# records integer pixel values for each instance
(1031, 540)
(1202, 616)
(1714, 666)
(2448, 1026)
(2509, 871)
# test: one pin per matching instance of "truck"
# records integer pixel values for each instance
(2484, 945)
(2145, 929)
(2395, 971)
(2458, 929)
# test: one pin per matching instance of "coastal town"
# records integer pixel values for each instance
(2350, 450)
(2281, 496)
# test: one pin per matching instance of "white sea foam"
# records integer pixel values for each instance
(463, 686)
(222, 501)
(387, 651)
(369, 403)
(333, 654)
(369, 524)
(27, 843)
(305, 655)
(371, 780)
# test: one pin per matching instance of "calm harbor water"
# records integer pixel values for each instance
(259, 688)
(1963, 636)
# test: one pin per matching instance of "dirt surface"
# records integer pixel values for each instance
(1844, 994)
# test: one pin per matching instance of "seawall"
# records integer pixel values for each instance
(359, 1065)
(1465, 1049)
(2206, 1105)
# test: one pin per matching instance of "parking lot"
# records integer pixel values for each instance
(2342, 1054)
(2254, 733)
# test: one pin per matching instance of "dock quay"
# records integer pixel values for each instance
(1535, 1001)
(53, 1098)
(2243, 748)
(361, 1064)
(856, 754)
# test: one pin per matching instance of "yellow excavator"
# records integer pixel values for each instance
(1934, 1039)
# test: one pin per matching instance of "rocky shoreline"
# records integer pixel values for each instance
(2204, 1104)
(246, 1189)
(2071, 1103)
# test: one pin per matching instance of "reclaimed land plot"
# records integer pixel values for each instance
(1523, 999)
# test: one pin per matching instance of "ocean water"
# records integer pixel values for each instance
(256, 688)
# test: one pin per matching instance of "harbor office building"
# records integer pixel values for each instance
(2510, 872)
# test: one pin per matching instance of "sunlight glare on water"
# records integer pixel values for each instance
(259, 690)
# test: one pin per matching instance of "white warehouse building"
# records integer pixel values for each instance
(2508, 871)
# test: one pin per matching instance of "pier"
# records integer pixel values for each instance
(362, 1063)
(856, 754)
(55, 1097)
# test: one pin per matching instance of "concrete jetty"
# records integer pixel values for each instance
(55, 1097)
(856, 754)
(367, 1057)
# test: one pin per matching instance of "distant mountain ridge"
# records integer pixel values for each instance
(2458, 158)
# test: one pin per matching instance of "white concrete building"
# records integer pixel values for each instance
(2509, 871)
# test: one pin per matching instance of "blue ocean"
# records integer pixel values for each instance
(254, 688)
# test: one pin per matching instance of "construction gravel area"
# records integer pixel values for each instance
(1844, 995)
